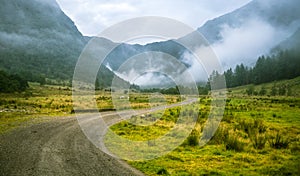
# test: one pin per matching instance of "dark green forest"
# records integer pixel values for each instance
(283, 65)
(12, 83)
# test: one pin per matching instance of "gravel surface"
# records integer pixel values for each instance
(55, 147)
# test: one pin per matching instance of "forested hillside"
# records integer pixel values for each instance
(12, 83)
(39, 42)
(283, 65)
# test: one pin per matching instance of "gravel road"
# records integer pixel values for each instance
(57, 146)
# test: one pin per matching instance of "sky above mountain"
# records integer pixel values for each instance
(237, 33)
(93, 16)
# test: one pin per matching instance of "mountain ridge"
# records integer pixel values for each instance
(37, 39)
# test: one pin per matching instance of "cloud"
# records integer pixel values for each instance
(93, 16)
(196, 71)
(151, 79)
(245, 43)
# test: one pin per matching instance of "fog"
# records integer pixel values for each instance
(246, 43)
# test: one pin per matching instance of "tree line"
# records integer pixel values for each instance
(12, 83)
(283, 65)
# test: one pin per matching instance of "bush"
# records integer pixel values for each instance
(252, 126)
(193, 139)
(282, 90)
(274, 91)
(258, 140)
(259, 126)
(245, 125)
(250, 90)
(233, 143)
(162, 171)
(263, 91)
(228, 117)
(278, 142)
(220, 136)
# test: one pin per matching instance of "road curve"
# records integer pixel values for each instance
(59, 147)
(56, 147)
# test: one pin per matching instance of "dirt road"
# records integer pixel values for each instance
(55, 147)
(58, 147)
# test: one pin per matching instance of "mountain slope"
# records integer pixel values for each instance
(293, 42)
(280, 14)
(38, 40)
(239, 36)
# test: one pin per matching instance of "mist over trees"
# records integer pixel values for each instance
(283, 65)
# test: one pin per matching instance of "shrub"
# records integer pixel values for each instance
(162, 171)
(259, 126)
(193, 139)
(233, 143)
(258, 140)
(263, 91)
(252, 126)
(250, 90)
(282, 90)
(278, 142)
(274, 91)
(228, 117)
(244, 125)
(221, 135)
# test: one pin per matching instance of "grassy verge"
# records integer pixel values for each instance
(258, 135)
(39, 101)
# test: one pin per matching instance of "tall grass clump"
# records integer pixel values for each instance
(278, 141)
(193, 139)
(234, 143)
(258, 140)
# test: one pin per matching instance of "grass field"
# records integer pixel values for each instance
(18, 108)
(258, 135)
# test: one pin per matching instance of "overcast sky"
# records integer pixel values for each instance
(93, 16)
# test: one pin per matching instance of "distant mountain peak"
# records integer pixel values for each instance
(277, 13)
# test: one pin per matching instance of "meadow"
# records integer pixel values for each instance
(20, 108)
(258, 135)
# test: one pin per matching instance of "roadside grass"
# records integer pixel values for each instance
(17, 109)
(42, 101)
(258, 135)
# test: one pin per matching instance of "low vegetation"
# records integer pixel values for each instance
(258, 133)
(47, 100)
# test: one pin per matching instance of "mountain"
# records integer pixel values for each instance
(237, 37)
(291, 43)
(38, 40)
(284, 15)
(252, 30)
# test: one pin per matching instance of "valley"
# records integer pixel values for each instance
(222, 98)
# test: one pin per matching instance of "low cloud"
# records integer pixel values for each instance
(196, 71)
(245, 43)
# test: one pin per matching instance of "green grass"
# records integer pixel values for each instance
(16, 109)
(39, 101)
(258, 135)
